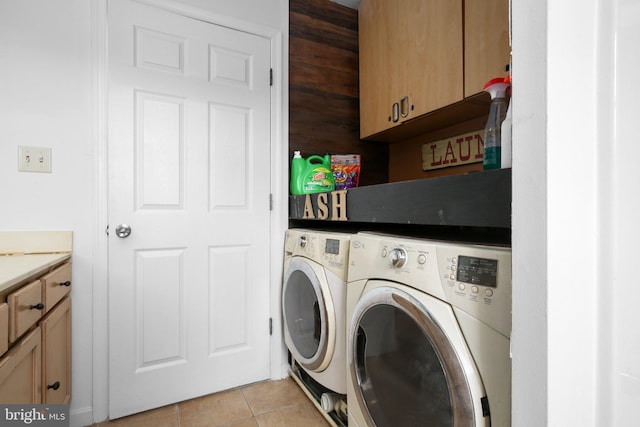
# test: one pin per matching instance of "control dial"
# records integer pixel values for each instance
(397, 257)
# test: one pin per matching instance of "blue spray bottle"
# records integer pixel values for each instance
(497, 88)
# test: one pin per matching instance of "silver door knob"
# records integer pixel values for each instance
(123, 230)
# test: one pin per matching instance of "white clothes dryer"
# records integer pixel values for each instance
(429, 333)
(314, 304)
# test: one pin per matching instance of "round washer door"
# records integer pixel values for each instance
(406, 370)
(309, 317)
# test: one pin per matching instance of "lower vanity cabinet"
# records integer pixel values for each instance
(35, 339)
(56, 354)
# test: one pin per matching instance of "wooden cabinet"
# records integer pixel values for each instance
(410, 60)
(35, 337)
(56, 354)
(420, 56)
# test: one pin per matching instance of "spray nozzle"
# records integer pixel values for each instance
(497, 87)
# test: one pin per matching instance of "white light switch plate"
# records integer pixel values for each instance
(34, 159)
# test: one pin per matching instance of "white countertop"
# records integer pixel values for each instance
(16, 268)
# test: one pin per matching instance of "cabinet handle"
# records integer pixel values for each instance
(38, 306)
(395, 112)
(67, 283)
(404, 106)
(54, 386)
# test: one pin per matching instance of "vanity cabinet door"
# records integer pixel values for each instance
(20, 377)
(4, 328)
(56, 354)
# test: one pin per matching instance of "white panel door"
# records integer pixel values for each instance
(189, 150)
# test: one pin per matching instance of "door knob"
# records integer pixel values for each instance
(123, 230)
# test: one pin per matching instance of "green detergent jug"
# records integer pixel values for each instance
(311, 175)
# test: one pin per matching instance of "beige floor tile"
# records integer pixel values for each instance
(214, 410)
(269, 395)
(303, 414)
(166, 416)
(251, 422)
(267, 404)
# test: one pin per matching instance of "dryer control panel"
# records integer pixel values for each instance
(473, 278)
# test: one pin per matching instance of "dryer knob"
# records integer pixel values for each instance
(397, 257)
(303, 241)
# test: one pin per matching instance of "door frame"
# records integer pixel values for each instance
(279, 186)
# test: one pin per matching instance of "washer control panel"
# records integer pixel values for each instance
(330, 249)
(397, 257)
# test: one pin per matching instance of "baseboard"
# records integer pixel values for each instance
(81, 417)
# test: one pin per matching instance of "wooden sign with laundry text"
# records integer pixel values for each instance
(454, 151)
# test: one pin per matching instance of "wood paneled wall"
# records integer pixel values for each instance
(323, 87)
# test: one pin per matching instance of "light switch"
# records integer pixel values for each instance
(34, 159)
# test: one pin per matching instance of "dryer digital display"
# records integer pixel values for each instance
(478, 271)
(332, 246)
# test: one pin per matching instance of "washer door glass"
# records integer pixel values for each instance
(304, 315)
(406, 375)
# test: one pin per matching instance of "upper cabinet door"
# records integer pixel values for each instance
(430, 50)
(377, 22)
(410, 60)
(486, 42)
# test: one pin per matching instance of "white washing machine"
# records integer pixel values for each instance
(314, 304)
(428, 334)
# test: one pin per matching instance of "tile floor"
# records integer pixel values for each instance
(266, 404)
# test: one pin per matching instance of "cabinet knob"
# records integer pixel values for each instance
(404, 106)
(38, 306)
(54, 386)
(67, 283)
(395, 112)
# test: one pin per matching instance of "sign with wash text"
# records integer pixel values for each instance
(328, 206)
(454, 151)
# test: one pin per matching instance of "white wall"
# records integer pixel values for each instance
(52, 95)
(575, 212)
(45, 100)
(620, 287)
(529, 220)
